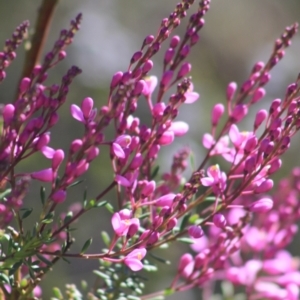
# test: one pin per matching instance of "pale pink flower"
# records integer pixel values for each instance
(122, 220)
(133, 259)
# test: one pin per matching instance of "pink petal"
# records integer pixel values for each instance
(208, 140)
(191, 97)
(118, 151)
(207, 181)
(48, 152)
(76, 113)
(45, 175)
(121, 180)
(179, 128)
(133, 264)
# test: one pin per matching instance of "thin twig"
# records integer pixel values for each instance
(41, 30)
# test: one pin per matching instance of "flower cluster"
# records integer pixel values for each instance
(238, 229)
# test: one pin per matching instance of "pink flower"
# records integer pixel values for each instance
(122, 220)
(221, 147)
(133, 259)
(216, 179)
(85, 113)
(190, 95)
(151, 83)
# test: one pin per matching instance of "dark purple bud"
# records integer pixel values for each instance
(275, 165)
(258, 66)
(250, 144)
(264, 187)
(153, 238)
(76, 145)
(132, 230)
(62, 55)
(184, 70)
(194, 38)
(148, 40)
(174, 41)
(171, 224)
(136, 56)
(185, 51)
(53, 119)
(239, 112)
(139, 87)
(276, 123)
(57, 159)
(116, 79)
(275, 104)
(291, 88)
(247, 85)
(148, 65)
(8, 113)
(169, 55)
(250, 165)
(217, 113)
(167, 77)
(258, 95)
(261, 115)
(195, 231)
(137, 161)
(265, 78)
(126, 77)
(25, 84)
(231, 89)
(219, 220)
(261, 206)
(59, 196)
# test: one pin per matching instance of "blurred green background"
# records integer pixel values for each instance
(237, 34)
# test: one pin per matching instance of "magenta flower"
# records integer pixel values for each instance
(133, 259)
(85, 113)
(122, 220)
(216, 179)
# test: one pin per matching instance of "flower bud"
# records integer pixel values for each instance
(261, 206)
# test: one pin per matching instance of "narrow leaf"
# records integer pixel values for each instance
(86, 245)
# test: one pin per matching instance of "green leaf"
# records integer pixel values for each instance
(168, 292)
(4, 278)
(105, 237)
(74, 183)
(154, 173)
(162, 260)
(43, 194)
(109, 207)
(15, 267)
(130, 297)
(101, 275)
(88, 204)
(186, 240)
(49, 218)
(193, 219)
(68, 217)
(192, 161)
(150, 268)
(57, 293)
(157, 298)
(101, 203)
(27, 212)
(44, 260)
(86, 245)
(5, 193)
(184, 222)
